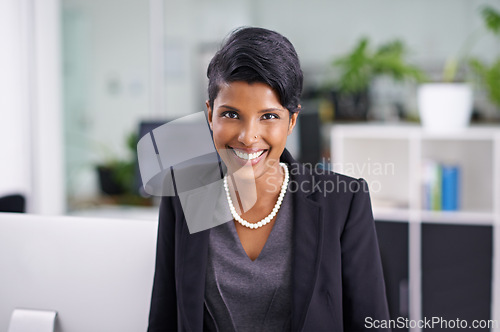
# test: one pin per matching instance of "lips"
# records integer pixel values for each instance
(249, 155)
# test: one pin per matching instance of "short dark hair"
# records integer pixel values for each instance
(252, 55)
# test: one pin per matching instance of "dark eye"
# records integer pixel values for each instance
(269, 116)
(230, 115)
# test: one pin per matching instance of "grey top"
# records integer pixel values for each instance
(246, 295)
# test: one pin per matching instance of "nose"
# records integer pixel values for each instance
(249, 133)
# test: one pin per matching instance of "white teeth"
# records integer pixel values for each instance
(248, 156)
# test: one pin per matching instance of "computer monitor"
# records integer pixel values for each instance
(96, 273)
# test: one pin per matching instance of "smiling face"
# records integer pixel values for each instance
(250, 128)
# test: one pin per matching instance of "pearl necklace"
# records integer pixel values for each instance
(273, 213)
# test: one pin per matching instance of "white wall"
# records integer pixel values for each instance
(46, 110)
(14, 123)
(30, 127)
(321, 30)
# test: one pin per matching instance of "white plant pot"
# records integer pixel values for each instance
(445, 107)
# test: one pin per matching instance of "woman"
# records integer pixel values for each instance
(300, 252)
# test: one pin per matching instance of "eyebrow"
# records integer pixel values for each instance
(261, 111)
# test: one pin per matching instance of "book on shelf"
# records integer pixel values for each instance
(441, 186)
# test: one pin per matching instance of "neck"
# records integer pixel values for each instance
(258, 191)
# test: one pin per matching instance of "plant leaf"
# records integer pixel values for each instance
(489, 77)
(492, 19)
(355, 69)
(361, 65)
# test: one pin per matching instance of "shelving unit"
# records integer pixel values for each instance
(389, 158)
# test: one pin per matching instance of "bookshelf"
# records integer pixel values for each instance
(391, 158)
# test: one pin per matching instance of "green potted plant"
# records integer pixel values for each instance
(447, 105)
(358, 69)
(116, 176)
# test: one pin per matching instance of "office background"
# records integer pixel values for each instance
(80, 66)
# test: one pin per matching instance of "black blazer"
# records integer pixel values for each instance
(337, 279)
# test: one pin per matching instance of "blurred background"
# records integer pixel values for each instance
(104, 67)
(83, 80)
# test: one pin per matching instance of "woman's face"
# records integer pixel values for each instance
(250, 127)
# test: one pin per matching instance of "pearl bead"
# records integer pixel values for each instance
(273, 213)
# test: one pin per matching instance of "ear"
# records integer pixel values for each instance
(209, 115)
(293, 120)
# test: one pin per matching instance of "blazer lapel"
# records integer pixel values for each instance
(307, 241)
(193, 252)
